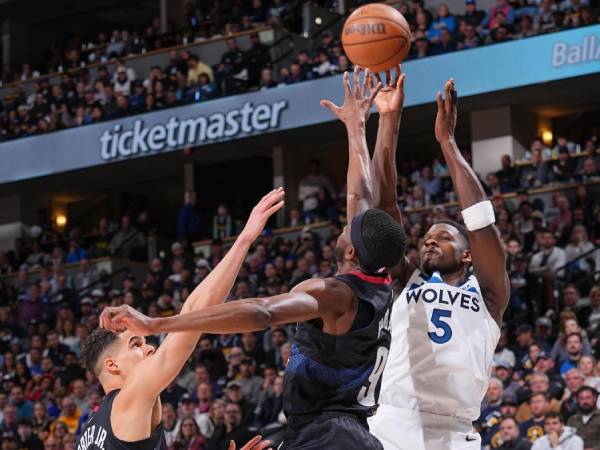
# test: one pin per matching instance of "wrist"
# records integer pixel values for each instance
(355, 126)
(390, 115)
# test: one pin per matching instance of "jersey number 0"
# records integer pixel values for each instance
(366, 396)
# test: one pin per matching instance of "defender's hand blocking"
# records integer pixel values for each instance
(390, 98)
(445, 121)
(357, 105)
(254, 444)
(264, 209)
(124, 317)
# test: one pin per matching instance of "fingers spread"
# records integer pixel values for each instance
(355, 80)
(374, 93)
(346, 84)
(330, 106)
(365, 83)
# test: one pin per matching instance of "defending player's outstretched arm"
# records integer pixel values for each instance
(487, 254)
(140, 391)
(312, 299)
(355, 113)
(389, 103)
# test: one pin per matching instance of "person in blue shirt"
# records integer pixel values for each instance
(188, 219)
(444, 20)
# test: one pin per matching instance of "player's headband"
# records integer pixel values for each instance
(365, 260)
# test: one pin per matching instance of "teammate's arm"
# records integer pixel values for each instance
(355, 113)
(140, 390)
(312, 299)
(389, 103)
(488, 257)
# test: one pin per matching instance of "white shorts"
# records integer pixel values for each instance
(403, 429)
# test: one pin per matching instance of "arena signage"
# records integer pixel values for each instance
(486, 69)
(176, 133)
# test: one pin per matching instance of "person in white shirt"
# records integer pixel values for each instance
(558, 436)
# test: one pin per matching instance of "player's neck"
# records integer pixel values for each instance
(455, 278)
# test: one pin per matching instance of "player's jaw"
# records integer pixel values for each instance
(440, 257)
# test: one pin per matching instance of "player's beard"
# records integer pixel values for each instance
(338, 256)
(429, 268)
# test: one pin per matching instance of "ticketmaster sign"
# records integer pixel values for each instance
(487, 69)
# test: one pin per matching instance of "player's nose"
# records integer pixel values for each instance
(149, 350)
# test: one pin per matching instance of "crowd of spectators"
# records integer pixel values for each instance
(80, 99)
(546, 375)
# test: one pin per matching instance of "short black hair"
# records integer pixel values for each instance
(384, 239)
(93, 347)
(459, 227)
(586, 388)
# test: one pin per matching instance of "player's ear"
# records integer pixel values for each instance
(466, 257)
(350, 253)
(112, 366)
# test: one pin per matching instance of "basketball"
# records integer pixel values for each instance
(376, 36)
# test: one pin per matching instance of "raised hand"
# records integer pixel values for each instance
(121, 318)
(390, 98)
(357, 104)
(264, 209)
(445, 121)
(254, 444)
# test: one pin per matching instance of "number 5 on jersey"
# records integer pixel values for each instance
(443, 333)
(366, 396)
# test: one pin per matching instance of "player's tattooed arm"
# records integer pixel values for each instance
(487, 253)
(389, 103)
(354, 113)
(313, 299)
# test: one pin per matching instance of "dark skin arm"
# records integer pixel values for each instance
(326, 300)
(389, 103)
(487, 254)
(355, 113)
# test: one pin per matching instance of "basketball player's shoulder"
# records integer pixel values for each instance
(331, 293)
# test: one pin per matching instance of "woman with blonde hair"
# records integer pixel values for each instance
(589, 369)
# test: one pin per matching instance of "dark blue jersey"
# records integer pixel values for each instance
(331, 373)
(97, 433)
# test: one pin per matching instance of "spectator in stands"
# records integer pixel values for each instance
(127, 240)
(563, 169)
(472, 15)
(533, 428)
(309, 187)
(444, 44)
(420, 48)
(544, 19)
(444, 20)
(535, 174)
(557, 435)
(470, 39)
(231, 430)
(589, 170)
(491, 20)
(525, 28)
(586, 422)
(222, 226)
(188, 220)
(509, 433)
(257, 59)
(197, 67)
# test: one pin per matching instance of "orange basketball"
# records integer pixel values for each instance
(376, 36)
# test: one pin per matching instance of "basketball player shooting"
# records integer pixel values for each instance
(133, 373)
(342, 339)
(446, 322)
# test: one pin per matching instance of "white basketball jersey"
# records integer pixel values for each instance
(443, 342)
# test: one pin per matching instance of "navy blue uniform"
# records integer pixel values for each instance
(331, 382)
(97, 433)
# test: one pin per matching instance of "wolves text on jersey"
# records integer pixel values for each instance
(442, 296)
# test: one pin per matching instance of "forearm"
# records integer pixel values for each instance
(241, 316)
(359, 196)
(383, 168)
(467, 185)
(216, 286)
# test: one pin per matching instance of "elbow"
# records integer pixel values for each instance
(263, 317)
